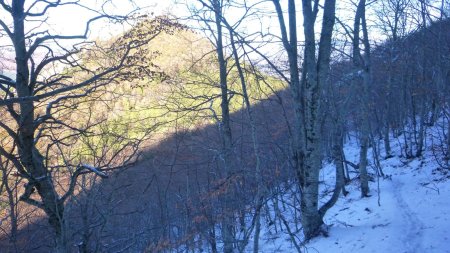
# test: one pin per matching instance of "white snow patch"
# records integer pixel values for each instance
(413, 215)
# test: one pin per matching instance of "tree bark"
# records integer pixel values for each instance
(29, 156)
(316, 77)
(362, 65)
(258, 174)
(306, 94)
(228, 222)
(339, 164)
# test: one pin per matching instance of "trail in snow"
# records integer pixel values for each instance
(414, 226)
(414, 216)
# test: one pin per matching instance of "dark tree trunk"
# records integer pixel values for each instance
(225, 128)
(362, 64)
(30, 157)
(306, 94)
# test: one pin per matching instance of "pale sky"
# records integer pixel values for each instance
(71, 20)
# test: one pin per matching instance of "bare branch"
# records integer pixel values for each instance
(5, 6)
(26, 196)
(6, 28)
(85, 83)
(41, 40)
(73, 180)
(93, 170)
(46, 8)
(15, 161)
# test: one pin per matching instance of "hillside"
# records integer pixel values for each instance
(170, 139)
(408, 210)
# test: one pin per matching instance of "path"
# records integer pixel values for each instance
(413, 226)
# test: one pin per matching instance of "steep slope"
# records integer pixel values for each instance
(408, 211)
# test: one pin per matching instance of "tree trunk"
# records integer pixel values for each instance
(228, 222)
(306, 94)
(30, 157)
(421, 135)
(362, 65)
(297, 92)
(448, 139)
(387, 142)
(257, 232)
(339, 164)
(10, 191)
(258, 173)
(363, 176)
(316, 77)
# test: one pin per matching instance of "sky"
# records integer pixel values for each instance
(71, 20)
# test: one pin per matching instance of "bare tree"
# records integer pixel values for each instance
(49, 82)
(393, 17)
(307, 96)
(9, 184)
(362, 65)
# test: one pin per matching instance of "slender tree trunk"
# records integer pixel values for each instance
(11, 201)
(212, 236)
(258, 173)
(386, 129)
(257, 233)
(386, 140)
(340, 180)
(228, 222)
(363, 176)
(421, 135)
(362, 64)
(364, 139)
(337, 150)
(448, 139)
(290, 45)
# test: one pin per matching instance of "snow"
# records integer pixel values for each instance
(407, 212)
(413, 215)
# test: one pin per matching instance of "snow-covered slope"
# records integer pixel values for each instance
(407, 212)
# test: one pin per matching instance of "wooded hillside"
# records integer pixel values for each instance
(182, 134)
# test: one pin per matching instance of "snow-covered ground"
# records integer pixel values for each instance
(409, 213)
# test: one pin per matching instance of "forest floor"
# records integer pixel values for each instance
(407, 212)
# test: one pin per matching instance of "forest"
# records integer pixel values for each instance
(224, 126)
